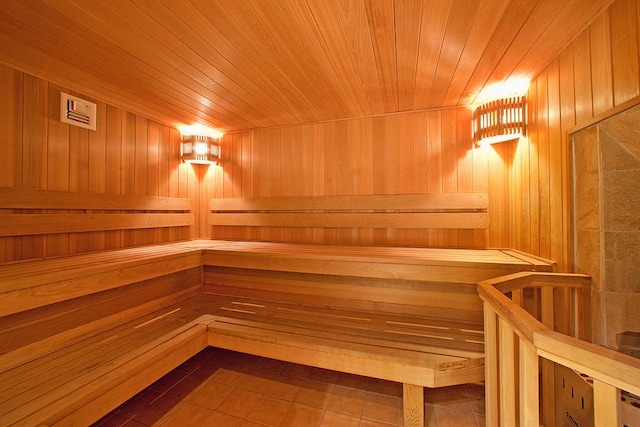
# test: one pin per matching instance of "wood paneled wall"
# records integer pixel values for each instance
(528, 181)
(598, 71)
(420, 152)
(127, 155)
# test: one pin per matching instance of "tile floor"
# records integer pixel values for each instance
(223, 388)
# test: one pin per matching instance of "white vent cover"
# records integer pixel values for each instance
(77, 111)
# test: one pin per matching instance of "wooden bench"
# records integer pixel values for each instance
(410, 315)
(400, 314)
(81, 334)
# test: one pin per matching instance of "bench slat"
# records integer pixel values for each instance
(429, 370)
(343, 295)
(49, 287)
(357, 326)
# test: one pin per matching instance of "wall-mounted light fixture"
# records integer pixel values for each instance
(500, 120)
(199, 145)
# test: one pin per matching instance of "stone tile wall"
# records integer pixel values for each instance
(606, 178)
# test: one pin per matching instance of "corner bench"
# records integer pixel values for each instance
(81, 334)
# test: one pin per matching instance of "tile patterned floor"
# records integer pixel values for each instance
(223, 388)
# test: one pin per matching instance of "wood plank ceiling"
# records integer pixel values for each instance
(243, 64)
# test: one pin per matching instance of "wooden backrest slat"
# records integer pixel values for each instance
(36, 212)
(355, 220)
(33, 224)
(393, 211)
(31, 198)
(417, 202)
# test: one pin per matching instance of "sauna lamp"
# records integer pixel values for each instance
(199, 145)
(500, 120)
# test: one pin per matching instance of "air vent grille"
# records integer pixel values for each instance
(77, 111)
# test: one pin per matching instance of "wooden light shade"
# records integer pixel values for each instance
(500, 120)
(199, 149)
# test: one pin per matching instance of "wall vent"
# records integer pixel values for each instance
(77, 111)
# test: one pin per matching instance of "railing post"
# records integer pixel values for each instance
(491, 366)
(547, 367)
(606, 400)
(507, 374)
(528, 385)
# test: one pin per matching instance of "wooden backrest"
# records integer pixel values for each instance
(34, 222)
(52, 212)
(431, 211)
(423, 220)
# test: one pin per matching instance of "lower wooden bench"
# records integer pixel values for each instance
(77, 383)
(415, 351)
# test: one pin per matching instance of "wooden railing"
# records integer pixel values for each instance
(521, 349)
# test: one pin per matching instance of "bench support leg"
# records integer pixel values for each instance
(413, 405)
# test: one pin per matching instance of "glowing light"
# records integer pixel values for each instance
(198, 129)
(199, 144)
(512, 87)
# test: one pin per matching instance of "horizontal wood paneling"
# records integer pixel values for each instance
(128, 163)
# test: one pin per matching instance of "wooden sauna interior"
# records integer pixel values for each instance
(315, 98)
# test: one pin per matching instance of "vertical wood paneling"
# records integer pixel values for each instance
(582, 76)
(416, 152)
(558, 165)
(602, 78)
(539, 138)
(624, 48)
(38, 151)
(11, 130)
(598, 71)
(11, 127)
(78, 178)
(58, 158)
(34, 150)
(113, 158)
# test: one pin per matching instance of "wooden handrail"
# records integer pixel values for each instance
(509, 385)
(522, 322)
(612, 367)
